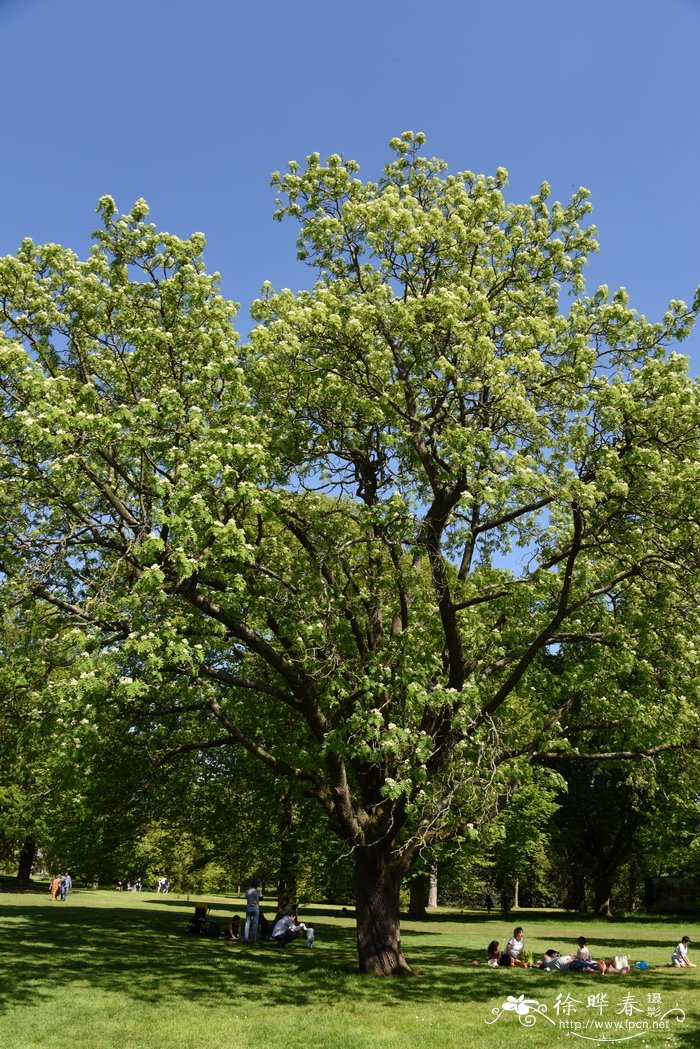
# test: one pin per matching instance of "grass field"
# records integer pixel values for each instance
(109, 970)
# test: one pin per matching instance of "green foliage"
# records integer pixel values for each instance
(296, 548)
(524, 853)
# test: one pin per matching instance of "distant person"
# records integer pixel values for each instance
(679, 958)
(66, 885)
(252, 912)
(287, 928)
(488, 903)
(505, 903)
(55, 886)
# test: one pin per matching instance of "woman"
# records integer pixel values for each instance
(513, 952)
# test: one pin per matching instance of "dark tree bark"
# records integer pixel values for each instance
(603, 886)
(26, 862)
(418, 892)
(575, 899)
(377, 884)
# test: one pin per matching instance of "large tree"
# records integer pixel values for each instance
(348, 546)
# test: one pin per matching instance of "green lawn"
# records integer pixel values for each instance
(109, 970)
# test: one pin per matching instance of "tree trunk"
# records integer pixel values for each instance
(377, 884)
(576, 896)
(433, 887)
(26, 862)
(418, 891)
(289, 858)
(603, 885)
(516, 895)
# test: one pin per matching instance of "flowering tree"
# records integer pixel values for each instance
(298, 546)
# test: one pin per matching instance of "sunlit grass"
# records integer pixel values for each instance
(107, 970)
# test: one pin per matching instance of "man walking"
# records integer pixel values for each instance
(66, 886)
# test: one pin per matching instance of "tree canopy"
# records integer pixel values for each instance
(360, 545)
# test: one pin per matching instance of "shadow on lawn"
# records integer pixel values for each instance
(145, 952)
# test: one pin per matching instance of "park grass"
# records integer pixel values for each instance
(109, 970)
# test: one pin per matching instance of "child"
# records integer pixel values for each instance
(494, 954)
(679, 958)
(583, 953)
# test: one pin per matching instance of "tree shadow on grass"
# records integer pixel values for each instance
(145, 953)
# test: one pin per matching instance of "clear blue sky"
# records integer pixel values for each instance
(192, 103)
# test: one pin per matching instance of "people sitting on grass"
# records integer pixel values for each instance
(265, 926)
(618, 964)
(287, 928)
(679, 958)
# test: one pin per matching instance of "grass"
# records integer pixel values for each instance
(110, 970)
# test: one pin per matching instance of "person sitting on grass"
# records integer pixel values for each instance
(679, 958)
(287, 928)
(493, 953)
(514, 953)
(265, 926)
(619, 964)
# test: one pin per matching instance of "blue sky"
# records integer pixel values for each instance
(193, 105)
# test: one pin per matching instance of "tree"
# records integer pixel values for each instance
(297, 547)
(649, 664)
(39, 739)
(523, 856)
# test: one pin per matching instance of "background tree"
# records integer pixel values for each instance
(649, 663)
(313, 527)
(523, 858)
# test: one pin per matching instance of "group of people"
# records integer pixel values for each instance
(282, 930)
(60, 886)
(514, 954)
